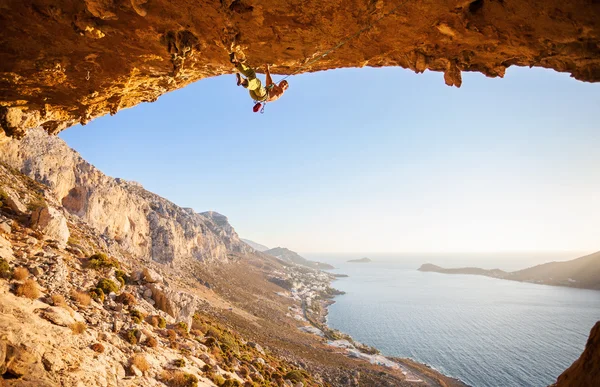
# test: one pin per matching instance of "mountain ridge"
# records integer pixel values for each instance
(582, 272)
(293, 257)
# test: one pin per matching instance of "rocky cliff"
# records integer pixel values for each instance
(144, 224)
(585, 371)
(68, 61)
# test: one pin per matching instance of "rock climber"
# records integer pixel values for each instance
(258, 92)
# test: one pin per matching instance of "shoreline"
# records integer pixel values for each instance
(315, 294)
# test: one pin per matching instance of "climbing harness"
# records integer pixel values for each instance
(262, 104)
(368, 27)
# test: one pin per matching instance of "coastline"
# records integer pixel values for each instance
(315, 294)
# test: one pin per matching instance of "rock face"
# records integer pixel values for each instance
(68, 61)
(144, 224)
(52, 223)
(585, 371)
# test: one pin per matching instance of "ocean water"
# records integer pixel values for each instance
(484, 331)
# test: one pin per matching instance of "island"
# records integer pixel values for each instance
(583, 272)
(362, 260)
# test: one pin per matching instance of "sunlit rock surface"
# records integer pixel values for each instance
(68, 61)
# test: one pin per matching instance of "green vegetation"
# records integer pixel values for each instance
(179, 363)
(121, 276)
(295, 376)
(3, 198)
(36, 203)
(107, 286)
(228, 342)
(182, 328)
(136, 316)
(101, 261)
(4, 269)
(162, 323)
(132, 336)
(97, 294)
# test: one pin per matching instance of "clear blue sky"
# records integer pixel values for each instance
(373, 159)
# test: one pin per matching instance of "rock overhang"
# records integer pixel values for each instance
(66, 62)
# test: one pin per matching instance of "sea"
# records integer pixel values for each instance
(483, 331)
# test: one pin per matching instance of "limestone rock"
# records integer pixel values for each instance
(150, 276)
(256, 346)
(57, 316)
(52, 223)
(5, 227)
(20, 360)
(6, 251)
(14, 202)
(174, 48)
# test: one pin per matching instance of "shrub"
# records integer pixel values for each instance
(3, 198)
(78, 327)
(179, 379)
(295, 376)
(81, 298)
(210, 342)
(20, 273)
(28, 289)
(97, 347)
(182, 328)
(101, 261)
(161, 301)
(179, 363)
(136, 316)
(229, 342)
(121, 274)
(153, 320)
(213, 332)
(126, 299)
(231, 383)
(218, 379)
(151, 342)
(140, 362)
(121, 281)
(97, 294)
(162, 323)
(171, 334)
(58, 300)
(36, 203)
(132, 336)
(107, 286)
(4, 269)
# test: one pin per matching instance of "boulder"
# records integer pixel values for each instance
(52, 223)
(58, 316)
(150, 276)
(20, 360)
(14, 202)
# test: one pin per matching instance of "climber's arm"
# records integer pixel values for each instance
(269, 79)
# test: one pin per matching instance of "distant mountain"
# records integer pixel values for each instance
(362, 260)
(291, 256)
(254, 245)
(582, 272)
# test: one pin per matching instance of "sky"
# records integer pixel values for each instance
(373, 160)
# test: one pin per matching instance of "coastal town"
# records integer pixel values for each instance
(312, 292)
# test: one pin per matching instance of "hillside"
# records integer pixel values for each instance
(103, 283)
(255, 246)
(583, 272)
(293, 257)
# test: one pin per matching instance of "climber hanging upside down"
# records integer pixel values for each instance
(258, 92)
